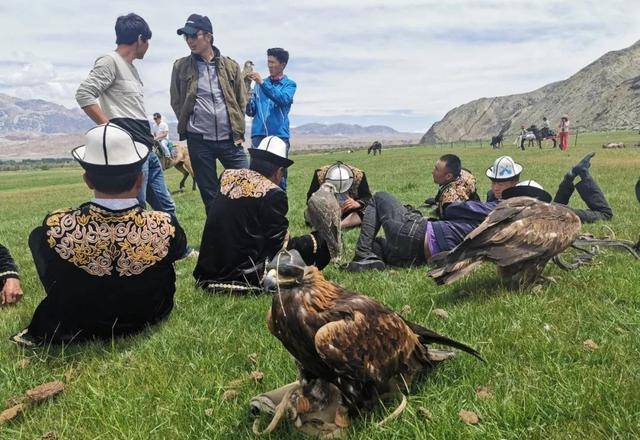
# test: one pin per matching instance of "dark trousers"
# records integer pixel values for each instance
(404, 229)
(592, 196)
(203, 154)
(255, 141)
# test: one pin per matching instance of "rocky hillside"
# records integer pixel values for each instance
(605, 95)
(39, 116)
(341, 130)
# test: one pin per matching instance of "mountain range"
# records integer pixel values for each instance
(342, 130)
(39, 116)
(605, 95)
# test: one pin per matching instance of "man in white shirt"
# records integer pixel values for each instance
(160, 132)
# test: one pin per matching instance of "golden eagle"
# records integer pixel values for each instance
(344, 338)
(520, 236)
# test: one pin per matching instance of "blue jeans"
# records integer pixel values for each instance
(404, 229)
(255, 141)
(154, 190)
(203, 155)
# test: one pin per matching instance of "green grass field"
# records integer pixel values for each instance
(169, 382)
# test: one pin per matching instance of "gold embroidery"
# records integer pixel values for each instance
(97, 240)
(237, 184)
(458, 191)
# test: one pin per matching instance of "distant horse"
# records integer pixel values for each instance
(376, 147)
(529, 136)
(543, 134)
(496, 141)
(181, 162)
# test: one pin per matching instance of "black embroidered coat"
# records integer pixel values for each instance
(106, 273)
(8, 267)
(246, 225)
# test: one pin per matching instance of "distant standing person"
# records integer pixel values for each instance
(271, 102)
(209, 99)
(563, 129)
(113, 93)
(161, 134)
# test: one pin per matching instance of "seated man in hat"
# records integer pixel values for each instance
(247, 225)
(10, 290)
(352, 189)
(411, 239)
(455, 184)
(106, 266)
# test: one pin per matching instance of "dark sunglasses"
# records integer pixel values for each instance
(191, 36)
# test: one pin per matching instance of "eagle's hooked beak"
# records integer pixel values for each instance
(270, 282)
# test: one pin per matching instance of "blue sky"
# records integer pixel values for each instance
(401, 63)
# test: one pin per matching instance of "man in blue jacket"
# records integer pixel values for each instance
(271, 101)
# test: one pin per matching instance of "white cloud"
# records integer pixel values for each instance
(362, 57)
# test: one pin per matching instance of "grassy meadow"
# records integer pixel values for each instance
(168, 383)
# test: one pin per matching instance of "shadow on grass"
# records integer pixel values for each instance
(477, 290)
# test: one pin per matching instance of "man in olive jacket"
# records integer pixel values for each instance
(208, 97)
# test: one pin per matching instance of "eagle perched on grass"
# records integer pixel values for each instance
(520, 236)
(344, 338)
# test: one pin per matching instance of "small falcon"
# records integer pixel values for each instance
(520, 236)
(347, 339)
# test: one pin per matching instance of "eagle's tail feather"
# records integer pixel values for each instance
(426, 336)
(452, 272)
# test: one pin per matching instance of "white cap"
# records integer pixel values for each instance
(272, 149)
(532, 183)
(110, 149)
(504, 168)
(340, 177)
(527, 188)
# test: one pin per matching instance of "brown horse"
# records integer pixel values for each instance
(181, 162)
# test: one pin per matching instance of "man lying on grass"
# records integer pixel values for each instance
(107, 266)
(411, 239)
(455, 184)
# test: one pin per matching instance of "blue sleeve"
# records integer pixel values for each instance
(470, 210)
(281, 96)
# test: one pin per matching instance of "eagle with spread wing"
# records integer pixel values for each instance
(520, 236)
(347, 339)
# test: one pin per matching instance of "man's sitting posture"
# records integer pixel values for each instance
(106, 266)
(247, 225)
(455, 184)
(588, 190)
(354, 193)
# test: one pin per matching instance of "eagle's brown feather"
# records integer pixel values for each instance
(520, 236)
(348, 339)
